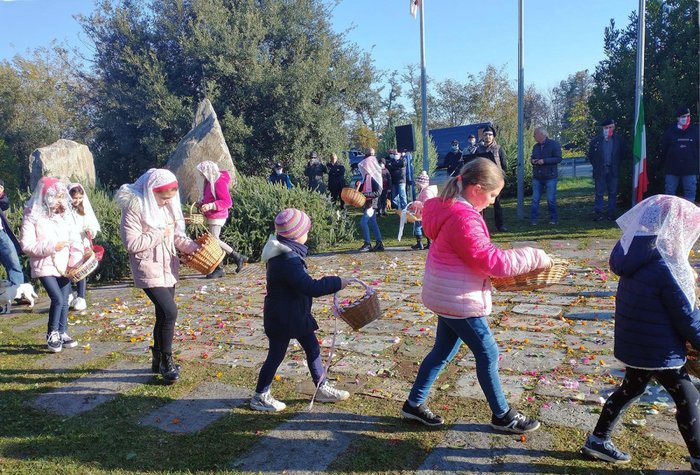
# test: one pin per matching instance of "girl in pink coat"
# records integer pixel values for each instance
(215, 203)
(52, 243)
(153, 230)
(457, 287)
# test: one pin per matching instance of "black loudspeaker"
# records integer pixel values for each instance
(405, 138)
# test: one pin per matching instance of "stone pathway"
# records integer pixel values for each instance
(556, 350)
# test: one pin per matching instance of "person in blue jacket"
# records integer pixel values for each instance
(287, 308)
(655, 314)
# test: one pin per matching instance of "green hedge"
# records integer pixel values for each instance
(256, 202)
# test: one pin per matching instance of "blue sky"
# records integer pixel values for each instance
(462, 36)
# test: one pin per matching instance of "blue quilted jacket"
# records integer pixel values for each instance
(653, 318)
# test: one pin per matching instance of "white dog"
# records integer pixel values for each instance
(26, 292)
(7, 295)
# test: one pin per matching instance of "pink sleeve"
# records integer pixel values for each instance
(473, 244)
(185, 244)
(223, 196)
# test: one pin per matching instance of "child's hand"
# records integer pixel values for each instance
(344, 282)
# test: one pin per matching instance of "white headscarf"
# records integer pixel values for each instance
(153, 214)
(370, 166)
(676, 224)
(48, 194)
(210, 171)
(90, 220)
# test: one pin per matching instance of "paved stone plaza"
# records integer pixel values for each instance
(556, 349)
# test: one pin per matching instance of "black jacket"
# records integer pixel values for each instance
(336, 176)
(4, 205)
(397, 167)
(453, 161)
(290, 289)
(314, 171)
(595, 155)
(550, 152)
(679, 150)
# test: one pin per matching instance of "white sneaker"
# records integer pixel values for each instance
(71, 299)
(265, 402)
(79, 303)
(67, 341)
(327, 393)
(53, 341)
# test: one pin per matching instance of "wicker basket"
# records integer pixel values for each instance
(692, 365)
(360, 312)
(410, 215)
(193, 218)
(207, 257)
(353, 197)
(535, 279)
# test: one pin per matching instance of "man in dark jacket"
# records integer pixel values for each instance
(314, 171)
(336, 179)
(545, 159)
(397, 166)
(386, 187)
(278, 176)
(605, 152)
(679, 150)
(491, 149)
(9, 246)
(453, 159)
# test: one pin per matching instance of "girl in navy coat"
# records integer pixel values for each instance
(655, 314)
(287, 311)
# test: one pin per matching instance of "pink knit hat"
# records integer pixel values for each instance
(423, 179)
(292, 223)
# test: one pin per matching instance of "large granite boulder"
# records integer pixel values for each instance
(204, 142)
(63, 159)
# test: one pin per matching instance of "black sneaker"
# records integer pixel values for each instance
(514, 422)
(378, 248)
(53, 341)
(365, 247)
(604, 450)
(421, 413)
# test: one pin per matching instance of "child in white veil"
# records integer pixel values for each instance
(655, 314)
(85, 221)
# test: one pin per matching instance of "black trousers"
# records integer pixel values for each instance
(163, 299)
(676, 382)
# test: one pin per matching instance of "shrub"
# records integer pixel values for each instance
(256, 202)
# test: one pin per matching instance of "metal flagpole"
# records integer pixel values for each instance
(639, 79)
(521, 111)
(423, 90)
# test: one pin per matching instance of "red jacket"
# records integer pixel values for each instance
(462, 259)
(222, 200)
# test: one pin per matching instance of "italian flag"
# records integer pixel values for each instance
(640, 179)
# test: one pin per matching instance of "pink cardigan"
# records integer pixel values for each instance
(38, 239)
(462, 259)
(222, 200)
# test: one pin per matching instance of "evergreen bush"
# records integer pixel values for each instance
(256, 202)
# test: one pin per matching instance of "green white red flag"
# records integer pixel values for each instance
(639, 151)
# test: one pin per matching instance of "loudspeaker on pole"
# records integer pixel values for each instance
(405, 138)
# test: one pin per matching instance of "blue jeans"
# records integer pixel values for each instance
(58, 289)
(365, 221)
(605, 182)
(550, 187)
(418, 228)
(690, 184)
(398, 195)
(276, 354)
(10, 260)
(450, 334)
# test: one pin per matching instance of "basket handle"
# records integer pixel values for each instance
(192, 208)
(336, 307)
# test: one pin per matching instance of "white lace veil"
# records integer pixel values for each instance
(48, 193)
(676, 224)
(90, 219)
(210, 171)
(153, 214)
(370, 166)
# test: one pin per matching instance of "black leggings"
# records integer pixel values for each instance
(678, 385)
(166, 314)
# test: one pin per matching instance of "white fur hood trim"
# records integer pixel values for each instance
(126, 198)
(273, 248)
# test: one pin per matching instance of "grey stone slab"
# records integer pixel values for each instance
(195, 352)
(362, 365)
(603, 328)
(516, 244)
(537, 310)
(90, 391)
(305, 444)
(570, 415)
(72, 357)
(245, 358)
(663, 426)
(535, 324)
(256, 337)
(362, 344)
(468, 386)
(387, 388)
(577, 389)
(543, 299)
(385, 327)
(31, 324)
(473, 448)
(589, 313)
(197, 409)
(602, 244)
(557, 244)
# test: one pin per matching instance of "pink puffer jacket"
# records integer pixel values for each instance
(38, 239)
(462, 259)
(152, 256)
(222, 200)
